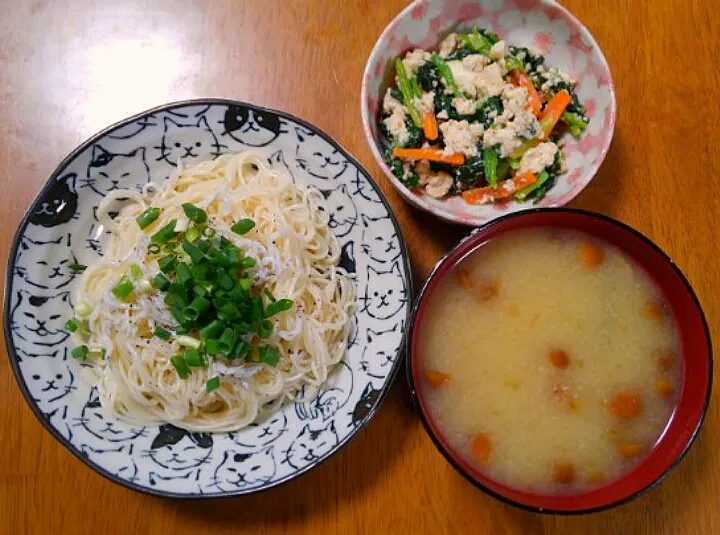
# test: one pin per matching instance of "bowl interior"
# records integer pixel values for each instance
(696, 373)
(540, 24)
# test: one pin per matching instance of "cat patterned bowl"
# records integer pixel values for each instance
(61, 229)
(543, 25)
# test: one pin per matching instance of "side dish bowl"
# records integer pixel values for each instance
(695, 377)
(542, 25)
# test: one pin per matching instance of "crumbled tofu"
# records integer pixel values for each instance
(414, 59)
(486, 81)
(442, 114)
(464, 106)
(448, 45)
(514, 101)
(426, 103)
(391, 104)
(439, 185)
(395, 125)
(538, 158)
(475, 62)
(505, 138)
(498, 51)
(490, 81)
(554, 76)
(461, 136)
(436, 184)
(464, 77)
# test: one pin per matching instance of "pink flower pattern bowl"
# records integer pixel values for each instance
(540, 24)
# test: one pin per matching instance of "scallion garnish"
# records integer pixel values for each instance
(194, 358)
(212, 384)
(243, 226)
(80, 352)
(181, 367)
(278, 306)
(211, 330)
(148, 217)
(195, 214)
(163, 334)
(136, 271)
(123, 289)
(71, 325)
(269, 355)
(188, 341)
(161, 282)
(192, 234)
(77, 268)
(227, 341)
(165, 234)
(265, 329)
(195, 254)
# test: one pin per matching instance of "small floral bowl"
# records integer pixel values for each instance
(540, 24)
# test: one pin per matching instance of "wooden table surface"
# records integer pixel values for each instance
(68, 68)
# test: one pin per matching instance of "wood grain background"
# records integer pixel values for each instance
(71, 67)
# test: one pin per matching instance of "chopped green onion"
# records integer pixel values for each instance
(269, 355)
(153, 248)
(165, 234)
(225, 282)
(183, 223)
(97, 353)
(241, 350)
(183, 272)
(243, 226)
(237, 294)
(227, 341)
(194, 358)
(163, 334)
(148, 217)
(195, 254)
(188, 341)
(136, 271)
(123, 288)
(232, 255)
(196, 308)
(209, 232)
(179, 316)
(195, 214)
(269, 294)
(212, 384)
(166, 263)
(82, 309)
(256, 308)
(144, 286)
(211, 330)
(71, 325)
(278, 306)
(80, 352)
(181, 329)
(199, 290)
(192, 234)
(248, 262)
(181, 366)
(77, 268)
(161, 282)
(243, 328)
(265, 329)
(199, 272)
(245, 283)
(212, 346)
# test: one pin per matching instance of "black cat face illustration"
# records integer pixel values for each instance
(93, 421)
(365, 404)
(342, 214)
(311, 445)
(385, 293)
(191, 143)
(48, 380)
(347, 257)
(263, 432)
(254, 128)
(59, 203)
(362, 187)
(318, 158)
(331, 398)
(377, 357)
(240, 470)
(108, 171)
(379, 240)
(177, 449)
(39, 320)
(131, 130)
(33, 267)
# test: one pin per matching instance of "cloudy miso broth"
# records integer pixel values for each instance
(549, 361)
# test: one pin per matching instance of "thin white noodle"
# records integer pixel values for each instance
(297, 258)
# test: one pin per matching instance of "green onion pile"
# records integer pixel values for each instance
(206, 286)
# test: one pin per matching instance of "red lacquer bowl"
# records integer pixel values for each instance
(696, 378)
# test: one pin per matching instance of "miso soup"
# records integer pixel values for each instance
(549, 360)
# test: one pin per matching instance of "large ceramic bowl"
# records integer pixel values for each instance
(540, 24)
(695, 380)
(60, 229)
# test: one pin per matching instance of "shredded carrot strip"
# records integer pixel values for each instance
(435, 155)
(430, 127)
(502, 190)
(521, 79)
